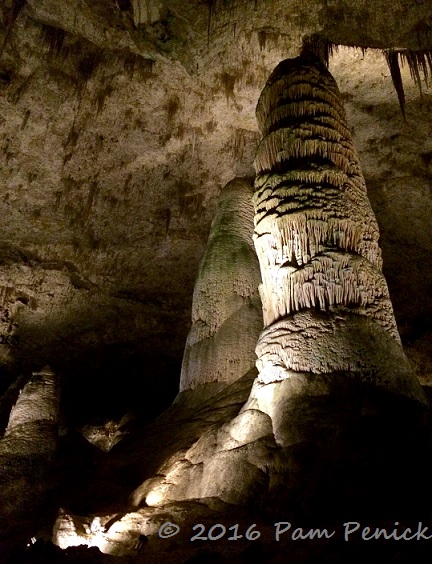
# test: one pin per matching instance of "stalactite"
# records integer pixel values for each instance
(419, 61)
(7, 293)
(393, 63)
(210, 14)
(54, 37)
(319, 47)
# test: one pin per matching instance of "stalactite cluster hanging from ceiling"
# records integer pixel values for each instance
(418, 62)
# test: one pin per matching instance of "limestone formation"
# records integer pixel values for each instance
(330, 347)
(28, 445)
(226, 301)
(147, 11)
(120, 123)
(104, 436)
(11, 301)
(112, 534)
(326, 303)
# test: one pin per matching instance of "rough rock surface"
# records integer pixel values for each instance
(325, 300)
(112, 165)
(325, 358)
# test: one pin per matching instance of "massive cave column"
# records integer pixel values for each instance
(226, 308)
(333, 377)
(326, 303)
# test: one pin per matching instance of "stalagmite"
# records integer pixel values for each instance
(315, 233)
(28, 445)
(226, 300)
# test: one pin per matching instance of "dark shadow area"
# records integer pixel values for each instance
(114, 380)
(407, 261)
(107, 367)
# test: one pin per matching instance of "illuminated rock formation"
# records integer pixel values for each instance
(330, 351)
(219, 350)
(325, 300)
(121, 122)
(28, 445)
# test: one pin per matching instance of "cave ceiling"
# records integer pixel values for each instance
(121, 122)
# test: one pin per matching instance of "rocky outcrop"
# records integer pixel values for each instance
(159, 452)
(112, 164)
(120, 123)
